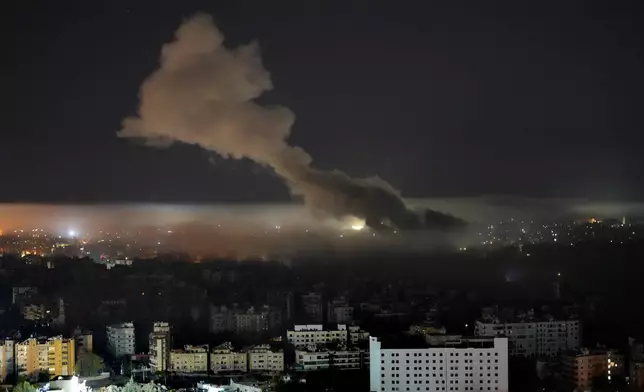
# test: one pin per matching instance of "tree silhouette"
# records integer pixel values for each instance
(89, 364)
(24, 386)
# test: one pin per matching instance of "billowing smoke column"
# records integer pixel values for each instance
(203, 94)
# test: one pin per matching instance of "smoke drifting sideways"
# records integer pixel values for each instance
(204, 94)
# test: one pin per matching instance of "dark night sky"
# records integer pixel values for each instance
(439, 98)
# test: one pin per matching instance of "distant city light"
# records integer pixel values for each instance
(72, 233)
(357, 227)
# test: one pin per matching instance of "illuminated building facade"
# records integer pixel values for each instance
(192, 359)
(582, 367)
(55, 356)
(262, 359)
(314, 359)
(463, 364)
(224, 359)
(313, 334)
(160, 346)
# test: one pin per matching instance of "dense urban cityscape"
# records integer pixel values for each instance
(505, 320)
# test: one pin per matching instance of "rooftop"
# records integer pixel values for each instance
(445, 341)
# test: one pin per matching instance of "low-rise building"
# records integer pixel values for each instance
(580, 368)
(192, 359)
(463, 364)
(262, 359)
(314, 334)
(224, 359)
(320, 358)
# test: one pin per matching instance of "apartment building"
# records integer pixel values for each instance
(192, 359)
(251, 320)
(262, 359)
(224, 359)
(458, 364)
(580, 368)
(120, 339)
(55, 356)
(316, 358)
(312, 334)
(534, 338)
(160, 343)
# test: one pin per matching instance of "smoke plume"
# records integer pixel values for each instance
(204, 94)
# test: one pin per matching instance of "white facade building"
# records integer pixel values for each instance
(262, 359)
(120, 339)
(314, 334)
(532, 339)
(477, 364)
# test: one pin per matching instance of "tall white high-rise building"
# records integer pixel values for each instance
(120, 339)
(457, 364)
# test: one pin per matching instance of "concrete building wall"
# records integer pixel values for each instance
(439, 368)
(55, 356)
(189, 360)
(120, 340)
(264, 360)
